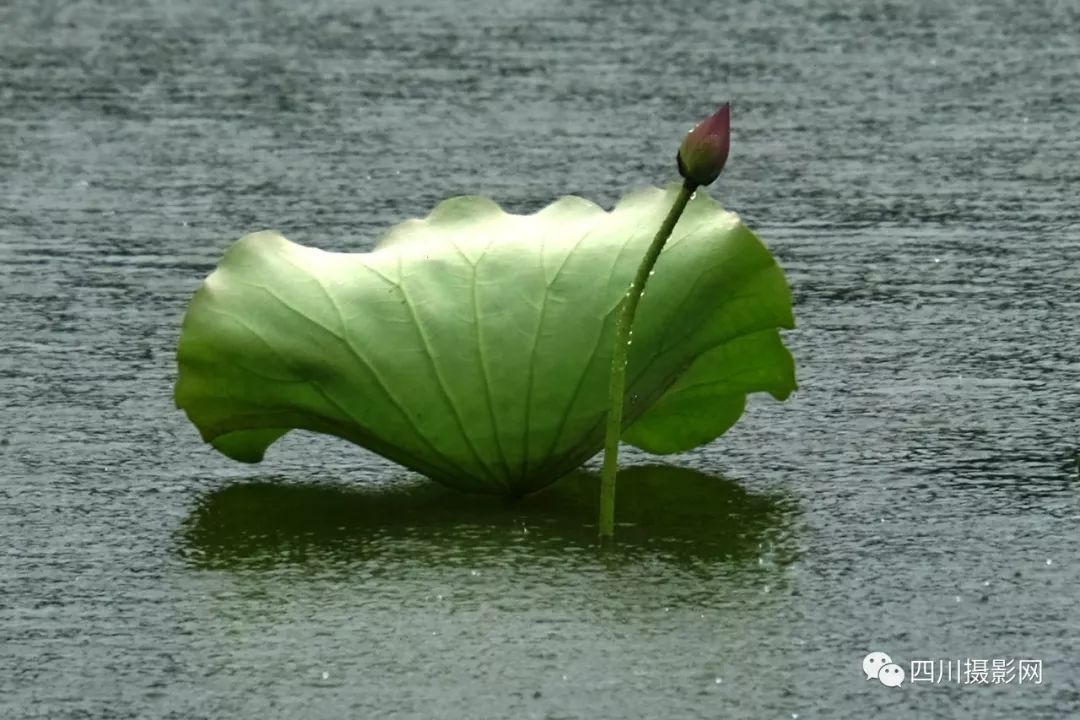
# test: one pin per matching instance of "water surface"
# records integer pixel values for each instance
(913, 167)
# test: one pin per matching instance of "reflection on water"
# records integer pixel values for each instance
(673, 511)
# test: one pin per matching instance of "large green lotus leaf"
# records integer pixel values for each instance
(474, 345)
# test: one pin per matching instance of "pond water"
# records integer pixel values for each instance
(913, 165)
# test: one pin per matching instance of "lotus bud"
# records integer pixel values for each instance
(705, 149)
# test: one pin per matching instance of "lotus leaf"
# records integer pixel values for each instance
(474, 345)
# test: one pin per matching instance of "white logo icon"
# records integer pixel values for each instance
(879, 665)
(872, 664)
(891, 675)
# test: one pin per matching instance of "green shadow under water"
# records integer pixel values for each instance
(678, 512)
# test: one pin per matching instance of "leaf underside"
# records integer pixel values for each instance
(474, 346)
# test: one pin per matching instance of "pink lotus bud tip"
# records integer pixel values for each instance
(705, 150)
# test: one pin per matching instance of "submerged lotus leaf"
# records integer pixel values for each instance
(474, 346)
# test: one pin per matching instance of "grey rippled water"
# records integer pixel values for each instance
(912, 164)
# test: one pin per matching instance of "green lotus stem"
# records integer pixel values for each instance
(619, 353)
(701, 159)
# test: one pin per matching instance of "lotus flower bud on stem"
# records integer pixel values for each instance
(701, 158)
